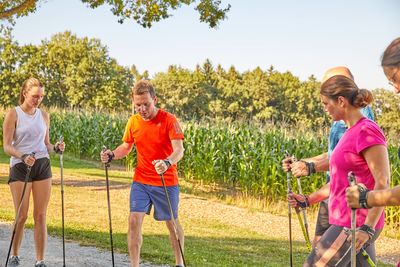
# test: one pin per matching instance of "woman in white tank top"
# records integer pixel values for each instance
(26, 130)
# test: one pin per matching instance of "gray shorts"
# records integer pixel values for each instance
(333, 249)
(40, 171)
(323, 218)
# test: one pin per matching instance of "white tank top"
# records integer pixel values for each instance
(29, 135)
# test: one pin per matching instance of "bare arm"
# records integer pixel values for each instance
(321, 162)
(122, 150)
(175, 157)
(9, 124)
(388, 197)
(313, 198)
(299, 168)
(177, 153)
(49, 146)
(378, 162)
(321, 194)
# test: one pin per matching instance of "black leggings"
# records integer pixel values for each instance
(333, 249)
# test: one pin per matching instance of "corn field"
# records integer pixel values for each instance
(244, 156)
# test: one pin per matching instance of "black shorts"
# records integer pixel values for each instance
(40, 171)
(323, 218)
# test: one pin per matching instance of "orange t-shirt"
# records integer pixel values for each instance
(153, 141)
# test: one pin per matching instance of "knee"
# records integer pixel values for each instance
(171, 227)
(134, 224)
(135, 236)
(22, 219)
(39, 217)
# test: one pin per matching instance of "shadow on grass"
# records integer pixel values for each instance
(199, 251)
(96, 185)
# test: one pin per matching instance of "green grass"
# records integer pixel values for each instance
(208, 242)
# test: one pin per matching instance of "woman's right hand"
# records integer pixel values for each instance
(28, 159)
(297, 200)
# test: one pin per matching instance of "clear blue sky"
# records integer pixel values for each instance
(302, 36)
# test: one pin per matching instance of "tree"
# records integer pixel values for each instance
(145, 13)
(76, 72)
(16, 7)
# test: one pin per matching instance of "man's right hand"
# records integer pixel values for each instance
(105, 155)
(286, 164)
(299, 168)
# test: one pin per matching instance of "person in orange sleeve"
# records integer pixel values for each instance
(158, 139)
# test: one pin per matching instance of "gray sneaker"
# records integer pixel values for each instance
(40, 264)
(13, 261)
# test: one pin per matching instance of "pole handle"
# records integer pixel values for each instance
(352, 178)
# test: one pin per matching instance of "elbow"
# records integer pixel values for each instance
(7, 150)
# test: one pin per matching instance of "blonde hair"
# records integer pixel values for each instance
(143, 86)
(28, 85)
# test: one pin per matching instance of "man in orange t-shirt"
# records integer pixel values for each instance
(158, 138)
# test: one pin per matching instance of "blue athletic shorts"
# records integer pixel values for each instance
(144, 196)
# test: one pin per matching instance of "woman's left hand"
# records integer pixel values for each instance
(361, 238)
(59, 147)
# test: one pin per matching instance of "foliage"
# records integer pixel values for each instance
(16, 7)
(79, 73)
(387, 108)
(76, 72)
(243, 156)
(145, 13)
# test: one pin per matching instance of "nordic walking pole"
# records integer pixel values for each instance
(172, 217)
(28, 173)
(106, 166)
(352, 181)
(60, 140)
(366, 255)
(305, 226)
(289, 215)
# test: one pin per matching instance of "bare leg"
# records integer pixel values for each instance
(315, 240)
(174, 242)
(16, 191)
(41, 195)
(135, 238)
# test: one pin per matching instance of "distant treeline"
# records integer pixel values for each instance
(79, 73)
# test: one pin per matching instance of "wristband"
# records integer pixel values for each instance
(367, 229)
(111, 157)
(310, 168)
(303, 204)
(168, 162)
(363, 197)
(23, 157)
(56, 149)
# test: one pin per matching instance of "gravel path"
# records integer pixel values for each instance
(76, 255)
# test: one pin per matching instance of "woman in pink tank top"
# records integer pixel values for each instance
(362, 150)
